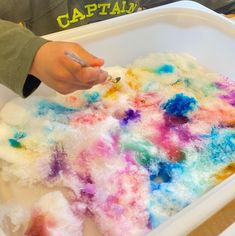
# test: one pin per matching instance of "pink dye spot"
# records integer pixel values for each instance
(172, 127)
(102, 148)
(129, 157)
(112, 208)
(89, 189)
(106, 149)
(87, 117)
(146, 100)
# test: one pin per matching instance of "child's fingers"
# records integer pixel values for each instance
(91, 75)
(89, 58)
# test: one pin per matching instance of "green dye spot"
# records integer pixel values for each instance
(19, 135)
(177, 82)
(191, 66)
(146, 156)
(149, 86)
(187, 82)
(14, 143)
(209, 89)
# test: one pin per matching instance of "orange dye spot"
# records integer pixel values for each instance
(226, 172)
(39, 225)
(112, 92)
(72, 99)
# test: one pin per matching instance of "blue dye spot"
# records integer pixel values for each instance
(130, 115)
(154, 186)
(152, 221)
(92, 97)
(14, 143)
(222, 146)
(164, 69)
(44, 107)
(180, 105)
(165, 173)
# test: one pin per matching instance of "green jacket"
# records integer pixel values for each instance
(18, 45)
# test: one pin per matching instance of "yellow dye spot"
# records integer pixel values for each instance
(112, 92)
(226, 172)
(133, 81)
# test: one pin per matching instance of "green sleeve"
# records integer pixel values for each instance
(18, 47)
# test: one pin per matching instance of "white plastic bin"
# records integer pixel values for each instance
(180, 27)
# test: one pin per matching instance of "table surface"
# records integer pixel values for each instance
(218, 222)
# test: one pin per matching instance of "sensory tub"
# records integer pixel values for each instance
(129, 154)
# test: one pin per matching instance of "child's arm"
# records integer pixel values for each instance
(64, 75)
(22, 53)
(17, 49)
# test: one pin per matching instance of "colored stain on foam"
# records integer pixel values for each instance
(15, 141)
(225, 172)
(41, 224)
(228, 86)
(92, 97)
(230, 98)
(152, 221)
(221, 147)
(180, 105)
(130, 115)
(57, 163)
(172, 135)
(45, 107)
(164, 69)
(144, 150)
(164, 174)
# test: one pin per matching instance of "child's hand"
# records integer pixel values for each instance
(59, 72)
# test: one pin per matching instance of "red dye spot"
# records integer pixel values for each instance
(175, 120)
(40, 225)
(72, 99)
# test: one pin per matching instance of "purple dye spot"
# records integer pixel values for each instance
(177, 124)
(221, 86)
(130, 115)
(230, 98)
(58, 163)
(226, 85)
(89, 189)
